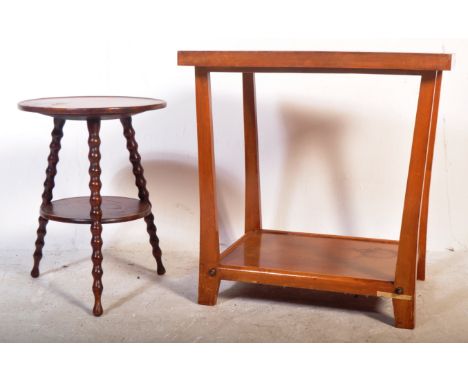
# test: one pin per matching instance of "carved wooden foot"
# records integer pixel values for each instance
(96, 213)
(143, 193)
(47, 195)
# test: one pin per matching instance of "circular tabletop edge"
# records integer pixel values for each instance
(91, 111)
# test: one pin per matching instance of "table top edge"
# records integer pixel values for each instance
(317, 59)
(90, 111)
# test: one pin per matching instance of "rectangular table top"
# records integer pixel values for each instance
(315, 61)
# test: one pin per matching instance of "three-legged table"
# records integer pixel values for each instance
(95, 209)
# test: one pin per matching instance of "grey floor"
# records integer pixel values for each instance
(143, 307)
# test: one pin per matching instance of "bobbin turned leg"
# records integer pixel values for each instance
(51, 171)
(143, 193)
(96, 213)
(154, 241)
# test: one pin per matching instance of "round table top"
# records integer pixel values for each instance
(103, 107)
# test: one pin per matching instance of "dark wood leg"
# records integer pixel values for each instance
(154, 241)
(209, 280)
(94, 156)
(143, 193)
(47, 195)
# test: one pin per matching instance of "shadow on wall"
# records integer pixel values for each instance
(311, 135)
(172, 182)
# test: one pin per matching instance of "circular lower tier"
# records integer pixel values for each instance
(115, 209)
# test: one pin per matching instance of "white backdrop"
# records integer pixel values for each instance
(334, 149)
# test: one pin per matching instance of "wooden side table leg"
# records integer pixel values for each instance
(405, 277)
(94, 156)
(421, 273)
(209, 280)
(253, 214)
(404, 313)
(143, 193)
(47, 195)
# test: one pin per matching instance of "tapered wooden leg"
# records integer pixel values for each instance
(47, 195)
(253, 214)
(405, 275)
(422, 238)
(143, 193)
(209, 281)
(404, 313)
(94, 156)
(208, 287)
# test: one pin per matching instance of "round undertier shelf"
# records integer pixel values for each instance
(115, 209)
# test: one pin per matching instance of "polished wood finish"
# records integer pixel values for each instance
(410, 227)
(421, 270)
(82, 108)
(253, 213)
(313, 261)
(95, 201)
(314, 254)
(47, 195)
(414, 222)
(115, 209)
(209, 238)
(341, 264)
(96, 209)
(321, 61)
(143, 194)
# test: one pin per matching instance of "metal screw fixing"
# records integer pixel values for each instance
(399, 290)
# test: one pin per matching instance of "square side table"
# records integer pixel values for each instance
(375, 267)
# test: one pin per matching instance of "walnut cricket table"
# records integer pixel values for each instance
(374, 267)
(95, 209)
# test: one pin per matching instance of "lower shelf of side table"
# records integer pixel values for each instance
(322, 262)
(115, 209)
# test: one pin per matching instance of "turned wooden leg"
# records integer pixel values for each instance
(404, 313)
(51, 171)
(154, 241)
(96, 213)
(143, 193)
